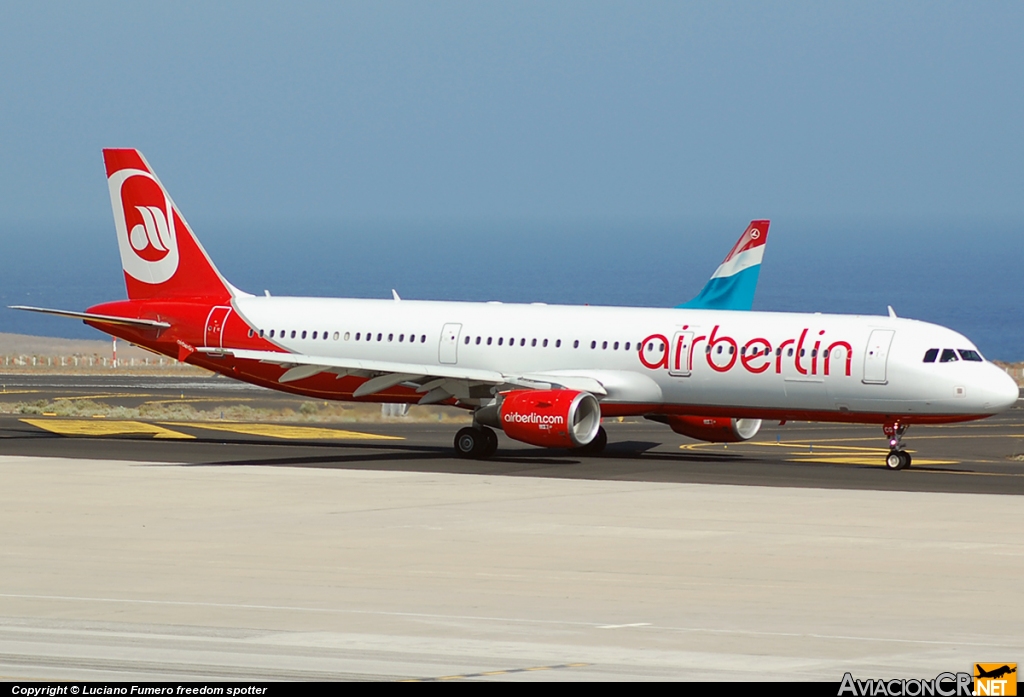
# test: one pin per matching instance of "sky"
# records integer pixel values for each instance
(511, 132)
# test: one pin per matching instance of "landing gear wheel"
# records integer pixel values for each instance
(595, 446)
(491, 445)
(469, 442)
(475, 442)
(898, 460)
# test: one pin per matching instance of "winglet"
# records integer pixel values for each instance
(732, 285)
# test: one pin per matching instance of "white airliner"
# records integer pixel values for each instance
(544, 374)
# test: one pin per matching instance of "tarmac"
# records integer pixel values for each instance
(171, 550)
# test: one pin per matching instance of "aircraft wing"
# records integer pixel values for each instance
(437, 382)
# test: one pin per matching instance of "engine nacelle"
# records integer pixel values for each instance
(551, 418)
(715, 429)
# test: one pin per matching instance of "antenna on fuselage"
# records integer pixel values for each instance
(892, 312)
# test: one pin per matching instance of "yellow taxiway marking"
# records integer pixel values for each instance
(878, 461)
(6, 391)
(280, 431)
(824, 452)
(88, 427)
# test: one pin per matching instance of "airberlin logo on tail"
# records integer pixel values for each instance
(144, 219)
(153, 234)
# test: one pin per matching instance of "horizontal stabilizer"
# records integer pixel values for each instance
(92, 317)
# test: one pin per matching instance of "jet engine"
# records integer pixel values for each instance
(712, 429)
(551, 418)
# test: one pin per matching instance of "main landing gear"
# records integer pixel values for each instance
(898, 458)
(476, 442)
(480, 442)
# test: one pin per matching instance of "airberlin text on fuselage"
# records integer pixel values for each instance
(757, 355)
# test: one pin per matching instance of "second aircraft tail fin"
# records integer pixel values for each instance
(733, 284)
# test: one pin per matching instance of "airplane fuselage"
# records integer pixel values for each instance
(647, 360)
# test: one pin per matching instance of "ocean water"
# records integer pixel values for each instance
(961, 275)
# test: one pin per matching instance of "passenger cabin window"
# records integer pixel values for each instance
(969, 355)
(948, 356)
(930, 355)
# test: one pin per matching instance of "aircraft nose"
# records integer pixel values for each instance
(1003, 392)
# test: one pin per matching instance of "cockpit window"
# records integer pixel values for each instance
(948, 356)
(930, 355)
(969, 355)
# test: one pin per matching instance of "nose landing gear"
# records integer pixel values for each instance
(898, 458)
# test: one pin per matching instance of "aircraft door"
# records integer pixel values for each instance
(682, 344)
(877, 356)
(215, 326)
(448, 350)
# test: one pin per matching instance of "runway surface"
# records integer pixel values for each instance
(158, 550)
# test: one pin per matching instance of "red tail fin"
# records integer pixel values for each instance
(160, 255)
